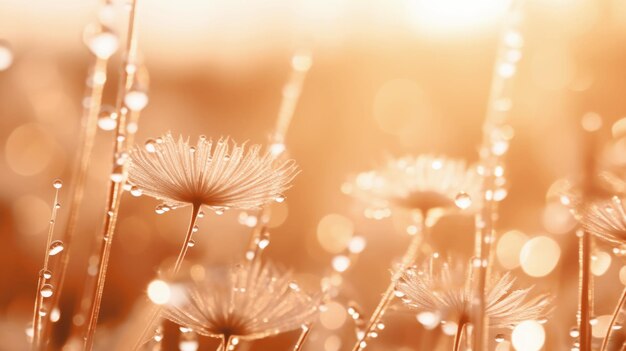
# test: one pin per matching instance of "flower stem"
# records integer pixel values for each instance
(459, 334)
(304, 333)
(183, 250)
(115, 188)
(407, 260)
(78, 181)
(41, 281)
(618, 309)
(155, 312)
(585, 289)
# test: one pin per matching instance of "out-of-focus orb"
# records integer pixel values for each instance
(591, 121)
(159, 292)
(334, 232)
(553, 68)
(539, 256)
(6, 57)
(430, 320)
(557, 218)
(622, 275)
(449, 16)
(333, 316)
(450, 328)
(619, 128)
(399, 105)
(29, 149)
(600, 263)
(341, 263)
(332, 343)
(357, 244)
(31, 214)
(103, 44)
(599, 329)
(509, 248)
(301, 61)
(528, 336)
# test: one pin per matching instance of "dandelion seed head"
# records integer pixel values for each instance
(213, 174)
(249, 301)
(442, 289)
(606, 219)
(424, 182)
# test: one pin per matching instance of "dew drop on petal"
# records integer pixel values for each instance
(135, 191)
(279, 198)
(191, 243)
(55, 247)
(150, 145)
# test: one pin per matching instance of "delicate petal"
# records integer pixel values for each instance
(210, 174)
(251, 301)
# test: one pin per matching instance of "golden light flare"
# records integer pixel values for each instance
(528, 336)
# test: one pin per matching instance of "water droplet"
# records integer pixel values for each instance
(574, 332)
(201, 214)
(399, 294)
(6, 56)
(150, 145)
(136, 100)
(103, 44)
(135, 191)
(279, 198)
(250, 255)
(380, 326)
(184, 329)
(107, 120)
(55, 247)
(46, 290)
(191, 243)
(43, 312)
(159, 209)
(45, 274)
(55, 315)
(117, 177)
(499, 338)
(57, 205)
(463, 200)
(57, 184)
(158, 335)
(195, 229)
(219, 211)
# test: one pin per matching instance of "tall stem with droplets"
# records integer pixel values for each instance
(493, 149)
(80, 176)
(41, 281)
(584, 294)
(407, 260)
(300, 65)
(115, 185)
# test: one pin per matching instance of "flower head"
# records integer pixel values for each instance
(422, 183)
(249, 301)
(209, 174)
(446, 291)
(606, 219)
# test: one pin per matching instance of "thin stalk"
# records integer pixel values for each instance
(79, 178)
(41, 281)
(304, 333)
(183, 250)
(155, 313)
(459, 334)
(585, 288)
(407, 260)
(618, 309)
(115, 188)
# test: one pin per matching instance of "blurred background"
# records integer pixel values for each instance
(388, 78)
